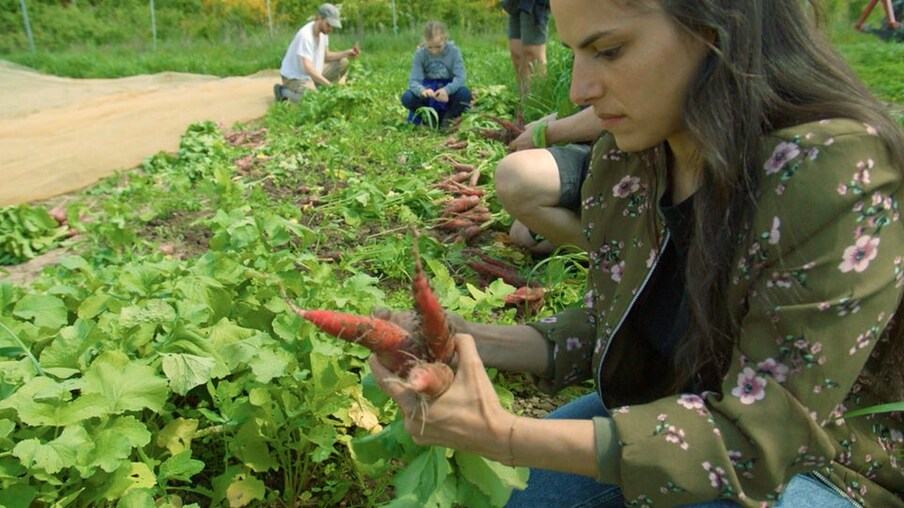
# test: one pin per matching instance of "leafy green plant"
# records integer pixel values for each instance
(427, 115)
(130, 375)
(25, 232)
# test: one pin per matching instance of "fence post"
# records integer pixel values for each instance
(395, 23)
(153, 26)
(269, 19)
(31, 40)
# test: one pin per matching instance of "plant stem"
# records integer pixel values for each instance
(34, 361)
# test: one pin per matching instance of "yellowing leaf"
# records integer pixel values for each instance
(176, 436)
(364, 417)
(241, 492)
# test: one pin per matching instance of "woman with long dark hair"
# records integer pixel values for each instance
(742, 210)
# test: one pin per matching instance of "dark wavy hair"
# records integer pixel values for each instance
(769, 67)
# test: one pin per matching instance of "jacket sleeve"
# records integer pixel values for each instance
(416, 76)
(571, 335)
(820, 269)
(459, 75)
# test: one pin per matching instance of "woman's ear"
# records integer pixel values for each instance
(710, 36)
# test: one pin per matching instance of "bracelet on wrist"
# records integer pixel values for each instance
(538, 134)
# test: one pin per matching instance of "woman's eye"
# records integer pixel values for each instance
(609, 53)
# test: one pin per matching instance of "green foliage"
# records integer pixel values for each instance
(549, 92)
(25, 232)
(133, 376)
(58, 25)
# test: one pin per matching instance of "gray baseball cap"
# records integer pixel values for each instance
(330, 13)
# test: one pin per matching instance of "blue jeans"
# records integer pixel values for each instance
(448, 111)
(551, 489)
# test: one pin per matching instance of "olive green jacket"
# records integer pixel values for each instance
(813, 287)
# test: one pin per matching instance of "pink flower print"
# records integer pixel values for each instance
(877, 199)
(617, 271)
(842, 189)
(863, 175)
(774, 234)
(676, 435)
(572, 343)
(825, 306)
(627, 186)
(588, 299)
(691, 401)
(652, 258)
(783, 153)
(858, 256)
(716, 475)
(777, 370)
(862, 341)
(870, 130)
(751, 387)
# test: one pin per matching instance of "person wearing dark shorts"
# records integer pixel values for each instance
(540, 186)
(527, 31)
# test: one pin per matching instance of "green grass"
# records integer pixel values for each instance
(880, 64)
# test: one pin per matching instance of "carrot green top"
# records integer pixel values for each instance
(813, 288)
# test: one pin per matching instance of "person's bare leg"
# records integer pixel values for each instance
(516, 53)
(527, 185)
(533, 63)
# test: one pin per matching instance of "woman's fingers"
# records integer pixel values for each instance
(394, 386)
(381, 313)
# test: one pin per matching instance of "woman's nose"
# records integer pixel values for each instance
(585, 84)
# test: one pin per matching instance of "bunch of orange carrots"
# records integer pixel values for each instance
(420, 357)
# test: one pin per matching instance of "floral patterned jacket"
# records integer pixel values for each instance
(813, 288)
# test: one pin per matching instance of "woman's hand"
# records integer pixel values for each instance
(468, 417)
(441, 95)
(428, 93)
(409, 320)
(525, 140)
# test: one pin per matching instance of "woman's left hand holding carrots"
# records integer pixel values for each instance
(467, 417)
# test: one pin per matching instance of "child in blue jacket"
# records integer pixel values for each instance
(437, 78)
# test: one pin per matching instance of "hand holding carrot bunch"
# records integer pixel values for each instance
(420, 358)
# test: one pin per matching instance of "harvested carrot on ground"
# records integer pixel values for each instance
(462, 167)
(455, 224)
(460, 177)
(467, 233)
(494, 271)
(466, 190)
(460, 204)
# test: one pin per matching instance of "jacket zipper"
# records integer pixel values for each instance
(825, 481)
(643, 285)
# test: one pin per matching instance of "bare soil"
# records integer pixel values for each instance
(58, 135)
